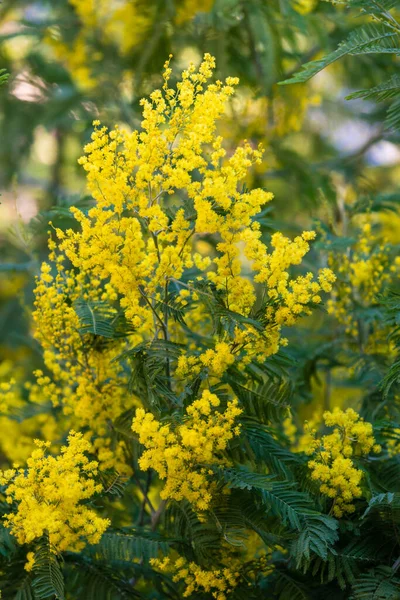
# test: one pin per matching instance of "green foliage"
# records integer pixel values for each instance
(48, 580)
(97, 320)
(120, 546)
(366, 40)
(372, 38)
(96, 582)
(378, 584)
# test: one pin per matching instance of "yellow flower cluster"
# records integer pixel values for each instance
(182, 456)
(306, 438)
(30, 561)
(279, 115)
(332, 465)
(85, 380)
(304, 7)
(99, 24)
(122, 24)
(140, 239)
(217, 583)
(363, 274)
(16, 440)
(216, 361)
(289, 298)
(189, 8)
(289, 429)
(51, 495)
(135, 255)
(7, 395)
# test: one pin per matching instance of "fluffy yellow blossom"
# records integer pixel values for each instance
(158, 192)
(364, 273)
(123, 25)
(216, 361)
(189, 8)
(181, 455)
(332, 464)
(217, 583)
(30, 561)
(8, 395)
(289, 429)
(83, 377)
(306, 440)
(304, 7)
(51, 495)
(16, 440)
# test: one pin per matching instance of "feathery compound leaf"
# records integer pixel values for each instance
(392, 120)
(114, 483)
(92, 582)
(246, 480)
(240, 511)
(24, 591)
(368, 39)
(318, 534)
(268, 450)
(384, 91)
(98, 319)
(377, 584)
(266, 401)
(393, 375)
(200, 538)
(388, 505)
(288, 504)
(95, 319)
(48, 581)
(371, 7)
(123, 546)
(3, 76)
(283, 501)
(287, 587)
(335, 567)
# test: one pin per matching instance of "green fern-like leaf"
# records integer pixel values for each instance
(97, 319)
(387, 505)
(124, 546)
(3, 76)
(24, 591)
(268, 450)
(246, 480)
(7, 543)
(199, 538)
(266, 401)
(114, 483)
(48, 581)
(384, 91)
(371, 7)
(392, 120)
(288, 504)
(285, 502)
(286, 587)
(94, 582)
(377, 584)
(318, 534)
(368, 39)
